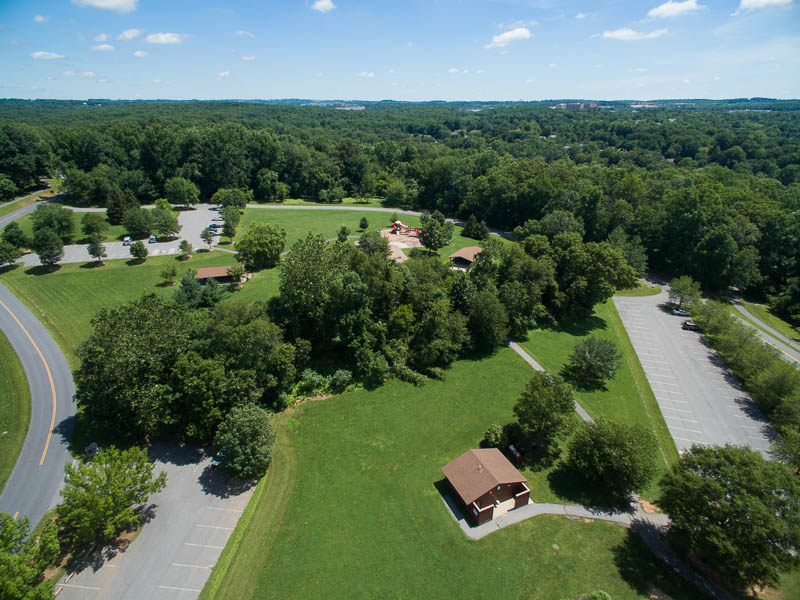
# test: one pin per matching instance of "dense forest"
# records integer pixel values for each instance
(706, 189)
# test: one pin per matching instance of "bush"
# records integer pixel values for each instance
(340, 380)
(437, 373)
(493, 438)
(312, 382)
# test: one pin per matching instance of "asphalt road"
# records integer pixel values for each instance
(34, 484)
(789, 349)
(701, 400)
(192, 519)
(25, 210)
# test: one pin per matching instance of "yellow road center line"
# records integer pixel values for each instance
(49, 378)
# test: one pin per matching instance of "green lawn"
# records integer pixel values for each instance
(763, 313)
(113, 233)
(298, 223)
(72, 295)
(640, 289)
(378, 202)
(350, 508)
(15, 408)
(627, 398)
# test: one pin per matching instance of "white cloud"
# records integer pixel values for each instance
(120, 6)
(42, 55)
(243, 33)
(248, 58)
(674, 9)
(627, 34)
(40, 19)
(582, 15)
(103, 37)
(530, 81)
(410, 44)
(102, 48)
(746, 5)
(223, 74)
(552, 65)
(88, 74)
(452, 70)
(323, 6)
(156, 81)
(717, 78)
(366, 74)
(165, 38)
(503, 39)
(129, 34)
(640, 70)
(140, 53)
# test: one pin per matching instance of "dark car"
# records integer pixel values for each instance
(691, 326)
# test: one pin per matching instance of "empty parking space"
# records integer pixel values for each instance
(175, 552)
(701, 400)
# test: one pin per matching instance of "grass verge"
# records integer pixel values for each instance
(763, 313)
(627, 398)
(113, 233)
(640, 289)
(26, 201)
(15, 408)
(352, 507)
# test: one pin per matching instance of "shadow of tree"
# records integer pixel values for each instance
(574, 487)
(222, 485)
(175, 453)
(42, 269)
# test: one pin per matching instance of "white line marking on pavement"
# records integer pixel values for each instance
(681, 419)
(684, 429)
(83, 587)
(224, 509)
(204, 546)
(688, 440)
(214, 526)
(190, 566)
(679, 410)
(169, 587)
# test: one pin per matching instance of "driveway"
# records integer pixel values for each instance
(701, 400)
(173, 555)
(192, 221)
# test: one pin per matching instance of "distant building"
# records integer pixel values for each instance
(574, 105)
(464, 258)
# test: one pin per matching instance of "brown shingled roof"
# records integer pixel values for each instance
(469, 253)
(212, 272)
(477, 471)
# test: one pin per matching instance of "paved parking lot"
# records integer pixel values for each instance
(173, 556)
(701, 400)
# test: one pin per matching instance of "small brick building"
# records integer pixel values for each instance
(484, 479)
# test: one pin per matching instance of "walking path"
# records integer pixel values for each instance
(537, 367)
(788, 348)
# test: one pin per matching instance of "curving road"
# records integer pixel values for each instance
(37, 477)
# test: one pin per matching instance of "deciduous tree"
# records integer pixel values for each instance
(13, 234)
(93, 223)
(684, 290)
(47, 244)
(435, 235)
(180, 190)
(594, 360)
(9, 253)
(96, 248)
(739, 512)
(99, 496)
(244, 441)
(139, 251)
(165, 223)
(488, 322)
(544, 407)
(260, 247)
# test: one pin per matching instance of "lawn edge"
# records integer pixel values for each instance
(18, 381)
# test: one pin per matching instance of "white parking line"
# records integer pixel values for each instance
(691, 412)
(681, 419)
(214, 526)
(170, 587)
(224, 509)
(684, 429)
(190, 566)
(204, 546)
(82, 587)
(688, 440)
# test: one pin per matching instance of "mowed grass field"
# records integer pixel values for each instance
(627, 398)
(113, 233)
(15, 408)
(69, 297)
(763, 313)
(350, 507)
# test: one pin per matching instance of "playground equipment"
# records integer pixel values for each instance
(400, 228)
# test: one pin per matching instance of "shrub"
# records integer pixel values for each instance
(340, 380)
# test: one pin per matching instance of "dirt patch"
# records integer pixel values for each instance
(398, 241)
(649, 508)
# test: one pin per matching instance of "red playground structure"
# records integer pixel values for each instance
(400, 228)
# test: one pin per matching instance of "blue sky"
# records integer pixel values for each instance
(408, 50)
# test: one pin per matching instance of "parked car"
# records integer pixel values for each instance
(690, 325)
(214, 226)
(217, 219)
(680, 312)
(215, 462)
(126, 241)
(153, 239)
(91, 450)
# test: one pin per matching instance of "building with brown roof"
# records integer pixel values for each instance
(485, 480)
(466, 256)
